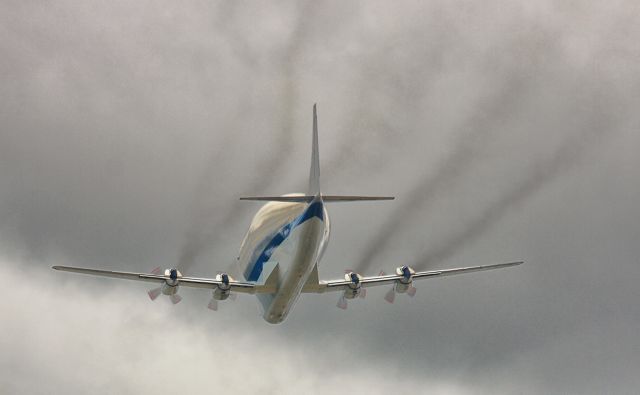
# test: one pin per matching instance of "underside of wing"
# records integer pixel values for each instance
(113, 274)
(462, 270)
(401, 282)
(403, 274)
(166, 277)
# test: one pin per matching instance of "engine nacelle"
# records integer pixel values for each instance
(355, 285)
(170, 286)
(169, 289)
(401, 288)
(219, 294)
(402, 285)
(173, 276)
(407, 274)
(223, 289)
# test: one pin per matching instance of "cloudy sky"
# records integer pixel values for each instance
(507, 130)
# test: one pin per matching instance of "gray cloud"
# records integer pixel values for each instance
(93, 335)
(124, 125)
(475, 132)
(206, 224)
(596, 130)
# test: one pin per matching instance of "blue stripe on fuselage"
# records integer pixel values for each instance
(315, 209)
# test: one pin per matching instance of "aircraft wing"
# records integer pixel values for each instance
(341, 285)
(193, 282)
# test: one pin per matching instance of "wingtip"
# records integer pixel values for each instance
(55, 267)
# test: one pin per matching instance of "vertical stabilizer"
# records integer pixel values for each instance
(314, 173)
(314, 180)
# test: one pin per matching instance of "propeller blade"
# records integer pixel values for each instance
(363, 293)
(390, 296)
(156, 271)
(382, 273)
(213, 305)
(233, 296)
(154, 293)
(411, 291)
(342, 303)
(175, 298)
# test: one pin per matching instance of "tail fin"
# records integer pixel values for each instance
(314, 180)
(314, 172)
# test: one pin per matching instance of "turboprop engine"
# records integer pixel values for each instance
(402, 285)
(354, 289)
(170, 287)
(221, 292)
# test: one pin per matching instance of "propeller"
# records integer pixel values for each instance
(390, 296)
(355, 289)
(154, 293)
(175, 298)
(342, 302)
(222, 291)
(403, 285)
(170, 286)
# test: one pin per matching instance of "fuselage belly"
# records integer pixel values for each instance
(291, 235)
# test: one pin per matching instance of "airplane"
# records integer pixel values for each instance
(280, 253)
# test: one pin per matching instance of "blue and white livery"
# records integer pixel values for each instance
(280, 253)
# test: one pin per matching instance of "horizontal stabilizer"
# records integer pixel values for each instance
(309, 198)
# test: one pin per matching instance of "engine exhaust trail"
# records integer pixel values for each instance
(203, 231)
(367, 122)
(201, 214)
(560, 161)
(473, 134)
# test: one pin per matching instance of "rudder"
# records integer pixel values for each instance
(314, 172)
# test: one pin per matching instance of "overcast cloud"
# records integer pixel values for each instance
(506, 130)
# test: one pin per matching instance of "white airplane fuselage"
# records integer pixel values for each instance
(289, 238)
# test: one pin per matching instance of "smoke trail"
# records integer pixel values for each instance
(378, 73)
(204, 229)
(558, 163)
(201, 214)
(474, 133)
